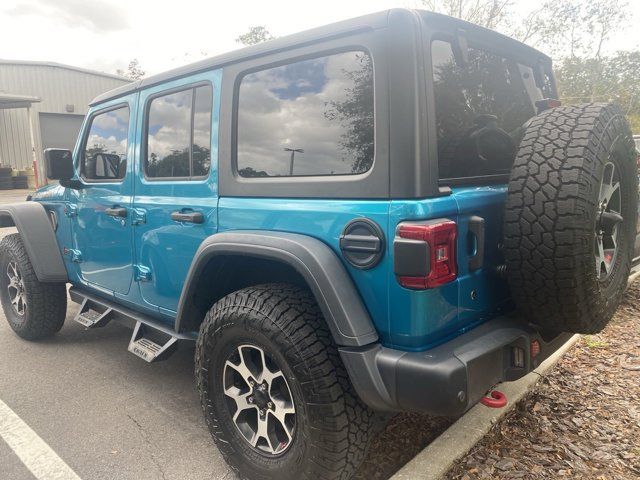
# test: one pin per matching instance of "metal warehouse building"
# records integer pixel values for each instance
(42, 105)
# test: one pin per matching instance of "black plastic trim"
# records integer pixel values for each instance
(450, 378)
(411, 258)
(362, 243)
(328, 280)
(38, 237)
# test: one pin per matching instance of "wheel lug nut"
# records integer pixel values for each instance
(270, 404)
(250, 399)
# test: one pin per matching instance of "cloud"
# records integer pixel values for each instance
(96, 15)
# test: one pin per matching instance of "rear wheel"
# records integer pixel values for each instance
(570, 217)
(33, 309)
(275, 394)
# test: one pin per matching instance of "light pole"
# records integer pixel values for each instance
(293, 153)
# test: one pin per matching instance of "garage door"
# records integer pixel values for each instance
(59, 130)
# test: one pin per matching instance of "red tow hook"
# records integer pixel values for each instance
(495, 400)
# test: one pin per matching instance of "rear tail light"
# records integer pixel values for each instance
(425, 254)
(547, 103)
(535, 348)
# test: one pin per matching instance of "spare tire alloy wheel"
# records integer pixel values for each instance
(259, 399)
(571, 205)
(608, 222)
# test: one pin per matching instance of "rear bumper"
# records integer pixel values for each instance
(448, 379)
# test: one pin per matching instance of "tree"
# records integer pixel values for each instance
(577, 28)
(134, 71)
(255, 35)
(494, 14)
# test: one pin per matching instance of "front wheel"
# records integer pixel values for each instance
(34, 309)
(275, 394)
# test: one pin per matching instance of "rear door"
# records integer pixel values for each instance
(176, 196)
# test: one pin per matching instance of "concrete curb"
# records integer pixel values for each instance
(440, 455)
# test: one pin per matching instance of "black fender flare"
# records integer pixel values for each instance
(339, 300)
(39, 239)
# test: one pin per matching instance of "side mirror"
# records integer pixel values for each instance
(59, 164)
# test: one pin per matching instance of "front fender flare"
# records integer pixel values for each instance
(38, 237)
(327, 278)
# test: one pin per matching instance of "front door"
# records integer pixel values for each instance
(176, 193)
(101, 210)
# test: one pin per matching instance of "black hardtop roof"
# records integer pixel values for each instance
(372, 21)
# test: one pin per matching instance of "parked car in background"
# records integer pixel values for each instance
(392, 213)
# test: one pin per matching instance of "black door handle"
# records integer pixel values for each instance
(116, 212)
(476, 228)
(190, 217)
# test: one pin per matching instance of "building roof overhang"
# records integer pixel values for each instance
(9, 100)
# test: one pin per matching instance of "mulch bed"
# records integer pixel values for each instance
(583, 420)
(403, 438)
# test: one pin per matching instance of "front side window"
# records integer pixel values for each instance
(311, 117)
(481, 107)
(179, 134)
(104, 157)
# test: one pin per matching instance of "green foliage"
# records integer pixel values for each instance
(614, 78)
(255, 35)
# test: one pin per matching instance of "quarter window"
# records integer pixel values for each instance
(311, 117)
(104, 157)
(179, 134)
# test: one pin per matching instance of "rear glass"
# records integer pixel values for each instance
(480, 110)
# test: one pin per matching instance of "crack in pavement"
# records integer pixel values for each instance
(145, 437)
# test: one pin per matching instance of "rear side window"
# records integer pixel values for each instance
(104, 156)
(311, 117)
(480, 110)
(179, 134)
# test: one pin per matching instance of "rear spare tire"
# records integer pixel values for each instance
(570, 217)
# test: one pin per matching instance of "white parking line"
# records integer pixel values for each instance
(36, 455)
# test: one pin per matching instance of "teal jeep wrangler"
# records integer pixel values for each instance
(392, 213)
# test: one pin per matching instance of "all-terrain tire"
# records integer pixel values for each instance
(554, 212)
(333, 426)
(45, 304)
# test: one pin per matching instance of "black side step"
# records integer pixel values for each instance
(151, 340)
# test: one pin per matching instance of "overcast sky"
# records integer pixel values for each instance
(105, 34)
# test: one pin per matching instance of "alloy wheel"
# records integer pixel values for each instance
(259, 399)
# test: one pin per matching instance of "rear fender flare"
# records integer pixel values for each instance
(339, 300)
